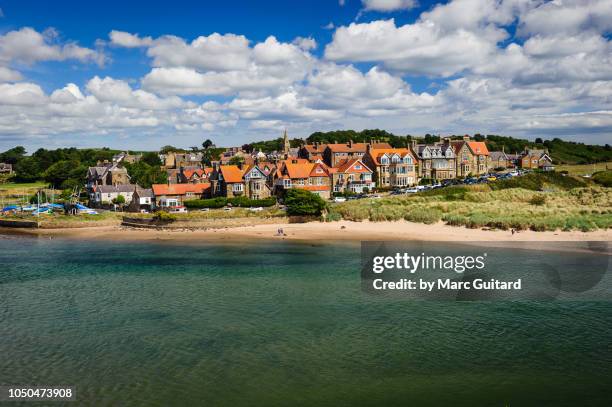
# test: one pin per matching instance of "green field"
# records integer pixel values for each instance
(18, 193)
(584, 169)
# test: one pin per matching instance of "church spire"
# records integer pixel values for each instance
(286, 145)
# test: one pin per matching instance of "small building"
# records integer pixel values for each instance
(103, 195)
(312, 152)
(352, 176)
(171, 195)
(436, 161)
(178, 160)
(536, 159)
(6, 168)
(142, 199)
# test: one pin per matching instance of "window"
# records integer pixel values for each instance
(319, 170)
(395, 159)
(407, 160)
(384, 160)
(358, 167)
(337, 188)
(287, 183)
(237, 187)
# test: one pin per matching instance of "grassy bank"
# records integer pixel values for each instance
(530, 203)
(584, 169)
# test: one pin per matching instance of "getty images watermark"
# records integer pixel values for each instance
(505, 270)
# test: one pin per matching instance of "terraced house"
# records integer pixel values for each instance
(472, 157)
(436, 161)
(302, 174)
(393, 167)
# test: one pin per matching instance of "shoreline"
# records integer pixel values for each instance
(317, 231)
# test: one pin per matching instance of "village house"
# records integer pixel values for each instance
(6, 168)
(251, 181)
(103, 195)
(142, 199)
(173, 195)
(302, 174)
(393, 167)
(106, 173)
(501, 159)
(352, 176)
(312, 152)
(435, 161)
(472, 157)
(336, 152)
(124, 157)
(178, 160)
(536, 159)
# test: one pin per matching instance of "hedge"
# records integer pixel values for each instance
(220, 202)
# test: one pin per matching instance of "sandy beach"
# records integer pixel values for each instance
(316, 231)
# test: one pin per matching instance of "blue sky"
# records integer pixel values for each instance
(132, 75)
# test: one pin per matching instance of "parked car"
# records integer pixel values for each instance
(413, 190)
(227, 208)
(256, 209)
(339, 199)
(375, 196)
(177, 209)
(204, 209)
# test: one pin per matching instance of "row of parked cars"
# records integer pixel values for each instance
(467, 181)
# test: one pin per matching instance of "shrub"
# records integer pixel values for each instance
(219, 202)
(603, 178)
(538, 200)
(302, 202)
(245, 202)
(164, 216)
(423, 215)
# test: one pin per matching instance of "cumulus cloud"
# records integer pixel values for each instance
(127, 40)
(553, 75)
(388, 5)
(28, 46)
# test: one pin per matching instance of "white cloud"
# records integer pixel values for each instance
(388, 5)
(28, 46)
(127, 40)
(306, 44)
(9, 75)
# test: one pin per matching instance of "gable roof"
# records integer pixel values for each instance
(478, 147)
(347, 166)
(377, 153)
(231, 173)
(179, 189)
(109, 189)
(497, 155)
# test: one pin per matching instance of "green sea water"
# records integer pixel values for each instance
(277, 323)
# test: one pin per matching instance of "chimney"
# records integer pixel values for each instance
(466, 138)
(350, 143)
(413, 144)
(447, 140)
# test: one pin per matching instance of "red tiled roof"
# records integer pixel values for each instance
(188, 173)
(478, 147)
(179, 189)
(346, 166)
(376, 153)
(231, 173)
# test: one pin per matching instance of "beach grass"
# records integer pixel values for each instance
(585, 208)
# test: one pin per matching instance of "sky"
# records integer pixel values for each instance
(140, 75)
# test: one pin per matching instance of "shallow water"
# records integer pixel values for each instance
(278, 323)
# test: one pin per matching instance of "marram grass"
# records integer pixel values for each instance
(585, 209)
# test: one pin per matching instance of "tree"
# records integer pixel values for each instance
(236, 160)
(65, 174)
(168, 149)
(28, 170)
(151, 158)
(146, 175)
(119, 200)
(207, 144)
(539, 140)
(13, 156)
(302, 202)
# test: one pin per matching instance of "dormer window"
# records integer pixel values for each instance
(407, 160)
(395, 159)
(319, 170)
(384, 160)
